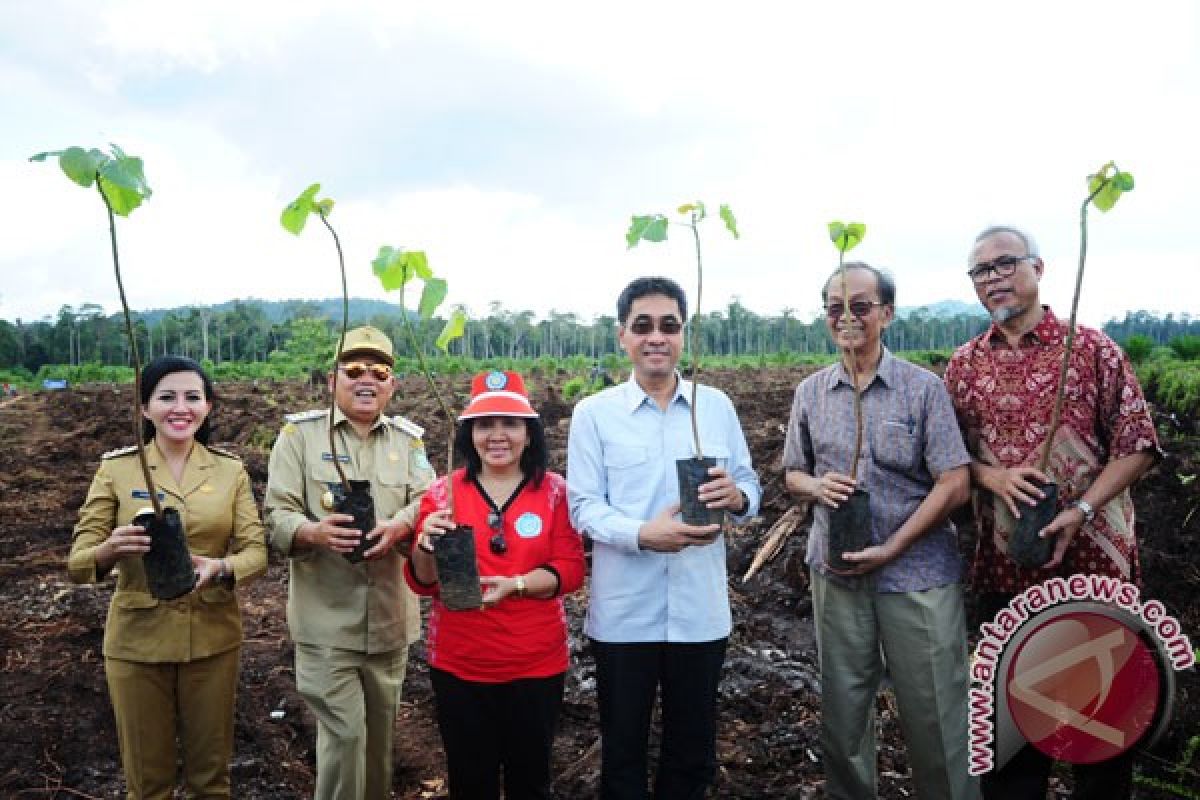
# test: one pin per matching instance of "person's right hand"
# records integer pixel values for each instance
(1015, 485)
(329, 534)
(126, 540)
(435, 524)
(665, 534)
(832, 489)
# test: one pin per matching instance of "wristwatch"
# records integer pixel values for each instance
(1084, 506)
(520, 582)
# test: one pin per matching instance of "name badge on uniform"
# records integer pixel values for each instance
(528, 525)
(144, 494)
(342, 457)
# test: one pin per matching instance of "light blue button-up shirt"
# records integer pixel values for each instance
(620, 473)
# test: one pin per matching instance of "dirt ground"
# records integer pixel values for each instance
(57, 737)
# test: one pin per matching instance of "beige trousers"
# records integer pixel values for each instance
(920, 638)
(354, 696)
(155, 703)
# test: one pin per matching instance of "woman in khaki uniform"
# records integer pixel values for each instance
(172, 665)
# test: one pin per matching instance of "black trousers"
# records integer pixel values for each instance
(1027, 775)
(492, 727)
(627, 679)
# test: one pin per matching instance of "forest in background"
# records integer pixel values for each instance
(291, 333)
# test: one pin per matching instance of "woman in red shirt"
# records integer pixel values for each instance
(498, 671)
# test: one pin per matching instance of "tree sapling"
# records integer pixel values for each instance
(351, 497)
(121, 182)
(850, 523)
(1026, 547)
(454, 551)
(691, 472)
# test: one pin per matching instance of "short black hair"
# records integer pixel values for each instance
(886, 283)
(643, 287)
(534, 459)
(163, 366)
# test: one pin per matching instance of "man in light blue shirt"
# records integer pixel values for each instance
(659, 613)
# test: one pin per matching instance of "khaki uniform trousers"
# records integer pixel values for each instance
(154, 703)
(921, 640)
(354, 696)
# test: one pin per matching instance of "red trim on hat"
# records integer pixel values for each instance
(498, 404)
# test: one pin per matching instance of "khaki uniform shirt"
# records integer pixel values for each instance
(221, 521)
(365, 607)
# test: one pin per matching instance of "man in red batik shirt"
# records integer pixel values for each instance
(1003, 384)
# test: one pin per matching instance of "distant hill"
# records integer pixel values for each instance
(944, 308)
(361, 308)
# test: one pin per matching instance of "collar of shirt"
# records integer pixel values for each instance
(1048, 331)
(635, 395)
(885, 373)
(339, 418)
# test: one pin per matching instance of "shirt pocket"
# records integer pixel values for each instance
(896, 445)
(393, 482)
(135, 601)
(626, 469)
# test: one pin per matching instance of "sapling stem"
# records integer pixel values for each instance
(1060, 393)
(337, 359)
(137, 361)
(848, 352)
(437, 395)
(694, 335)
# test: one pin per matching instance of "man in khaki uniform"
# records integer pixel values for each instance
(352, 623)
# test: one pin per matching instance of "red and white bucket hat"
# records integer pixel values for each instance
(498, 394)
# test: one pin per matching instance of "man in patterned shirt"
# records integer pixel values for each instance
(899, 607)
(1003, 384)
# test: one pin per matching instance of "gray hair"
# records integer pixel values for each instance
(1031, 248)
(883, 279)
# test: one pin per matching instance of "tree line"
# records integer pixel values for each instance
(244, 332)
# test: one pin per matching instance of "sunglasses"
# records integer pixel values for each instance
(859, 308)
(1003, 266)
(644, 325)
(497, 544)
(355, 370)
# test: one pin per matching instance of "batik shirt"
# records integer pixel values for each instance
(1004, 398)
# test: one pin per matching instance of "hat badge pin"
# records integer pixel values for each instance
(496, 380)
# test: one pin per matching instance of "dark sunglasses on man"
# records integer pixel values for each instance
(859, 308)
(356, 369)
(667, 325)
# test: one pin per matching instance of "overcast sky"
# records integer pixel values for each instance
(512, 141)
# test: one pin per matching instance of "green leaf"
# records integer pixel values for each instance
(652, 228)
(45, 155)
(81, 165)
(324, 207)
(123, 182)
(730, 220)
(431, 297)
(417, 263)
(296, 213)
(687, 208)
(455, 327)
(390, 268)
(1124, 181)
(846, 236)
(1107, 185)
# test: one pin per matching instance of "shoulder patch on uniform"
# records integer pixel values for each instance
(120, 451)
(221, 452)
(304, 416)
(408, 426)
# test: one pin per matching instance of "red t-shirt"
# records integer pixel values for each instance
(521, 637)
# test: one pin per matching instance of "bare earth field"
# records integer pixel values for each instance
(56, 731)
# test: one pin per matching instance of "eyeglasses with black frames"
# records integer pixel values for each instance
(1002, 266)
(666, 325)
(497, 544)
(356, 369)
(859, 308)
